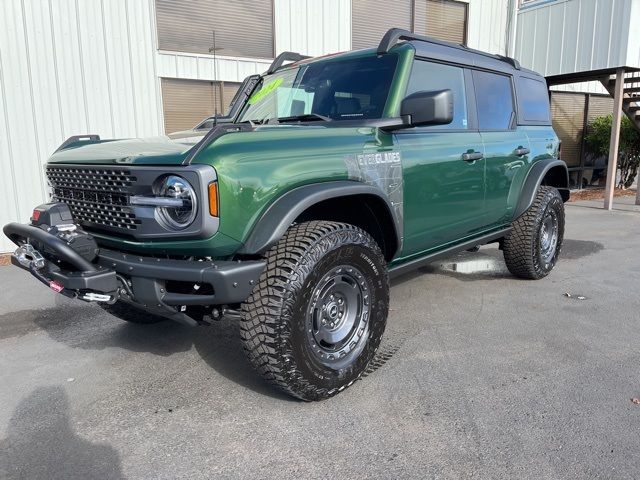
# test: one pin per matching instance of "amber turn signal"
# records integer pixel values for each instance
(213, 199)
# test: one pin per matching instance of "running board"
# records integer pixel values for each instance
(460, 247)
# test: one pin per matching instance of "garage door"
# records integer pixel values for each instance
(187, 102)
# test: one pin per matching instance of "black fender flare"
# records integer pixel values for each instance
(278, 217)
(534, 179)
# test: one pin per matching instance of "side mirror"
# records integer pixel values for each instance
(428, 108)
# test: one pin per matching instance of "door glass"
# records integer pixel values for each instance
(494, 98)
(429, 77)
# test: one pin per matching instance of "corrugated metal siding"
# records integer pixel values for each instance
(372, 18)
(243, 28)
(313, 27)
(187, 102)
(584, 87)
(573, 36)
(69, 67)
(487, 29)
(567, 112)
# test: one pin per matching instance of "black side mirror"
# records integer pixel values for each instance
(428, 108)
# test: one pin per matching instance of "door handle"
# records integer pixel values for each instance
(472, 156)
(520, 151)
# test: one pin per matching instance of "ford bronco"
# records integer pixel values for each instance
(330, 176)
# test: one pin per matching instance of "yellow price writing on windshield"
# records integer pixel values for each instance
(265, 90)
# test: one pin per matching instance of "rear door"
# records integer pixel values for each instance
(506, 147)
(443, 166)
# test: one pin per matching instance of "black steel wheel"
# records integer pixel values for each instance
(316, 318)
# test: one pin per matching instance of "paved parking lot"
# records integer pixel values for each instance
(481, 375)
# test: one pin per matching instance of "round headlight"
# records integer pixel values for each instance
(181, 212)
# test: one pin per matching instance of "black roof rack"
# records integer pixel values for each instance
(285, 57)
(394, 35)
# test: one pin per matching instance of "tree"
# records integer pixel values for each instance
(628, 151)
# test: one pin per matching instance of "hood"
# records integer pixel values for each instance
(143, 151)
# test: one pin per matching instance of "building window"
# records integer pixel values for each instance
(442, 19)
(188, 26)
(372, 18)
(186, 103)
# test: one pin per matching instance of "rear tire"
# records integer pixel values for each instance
(532, 247)
(315, 320)
(129, 313)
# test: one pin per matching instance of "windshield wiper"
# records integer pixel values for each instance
(304, 116)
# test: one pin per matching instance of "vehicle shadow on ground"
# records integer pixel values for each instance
(41, 443)
(488, 263)
(91, 328)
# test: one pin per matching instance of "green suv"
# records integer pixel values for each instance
(331, 175)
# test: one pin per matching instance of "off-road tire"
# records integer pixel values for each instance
(274, 320)
(522, 247)
(129, 313)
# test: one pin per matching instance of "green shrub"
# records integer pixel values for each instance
(628, 152)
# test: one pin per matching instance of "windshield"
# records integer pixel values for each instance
(335, 90)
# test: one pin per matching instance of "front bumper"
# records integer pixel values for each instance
(144, 281)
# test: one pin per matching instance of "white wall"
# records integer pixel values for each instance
(69, 67)
(487, 29)
(566, 36)
(313, 27)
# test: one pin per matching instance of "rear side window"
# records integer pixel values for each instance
(429, 77)
(533, 98)
(494, 99)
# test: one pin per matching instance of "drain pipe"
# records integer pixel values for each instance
(512, 25)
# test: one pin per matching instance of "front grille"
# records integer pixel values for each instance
(97, 196)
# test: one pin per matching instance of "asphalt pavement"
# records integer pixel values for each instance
(480, 375)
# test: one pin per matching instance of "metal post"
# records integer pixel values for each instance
(615, 140)
(637, 191)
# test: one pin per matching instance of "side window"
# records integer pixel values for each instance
(494, 99)
(430, 76)
(533, 99)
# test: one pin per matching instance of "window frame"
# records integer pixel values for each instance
(514, 100)
(472, 119)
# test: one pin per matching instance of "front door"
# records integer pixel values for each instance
(443, 166)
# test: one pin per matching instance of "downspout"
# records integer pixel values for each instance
(512, 25)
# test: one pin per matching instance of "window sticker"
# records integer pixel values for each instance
(265, 90)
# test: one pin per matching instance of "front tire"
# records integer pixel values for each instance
(532, 247)
(315, 320)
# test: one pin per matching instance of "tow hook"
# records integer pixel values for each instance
(97, 297)
(29, 257)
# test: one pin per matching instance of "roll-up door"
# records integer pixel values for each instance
(567, 113)
(242, 28)
(187, 102)
(371, 19)
(442, 19)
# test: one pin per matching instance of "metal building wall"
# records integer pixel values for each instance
(487, 30)
(573, 36)
(58, 62)
(69, 67)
